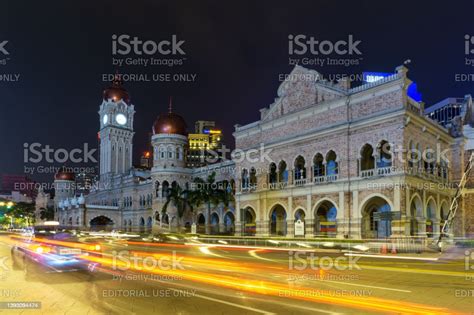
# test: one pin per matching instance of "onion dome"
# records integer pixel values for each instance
(116, 91)
(170, 123)
(64, 174)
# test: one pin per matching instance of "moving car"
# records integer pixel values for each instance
(56, 248)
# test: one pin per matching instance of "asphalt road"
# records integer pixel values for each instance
(140, 278)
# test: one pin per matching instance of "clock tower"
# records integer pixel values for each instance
(116, 130)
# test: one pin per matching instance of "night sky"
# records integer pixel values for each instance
(237, 50)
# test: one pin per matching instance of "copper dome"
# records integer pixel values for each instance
(170, 123)
(116, 91)
(64, 174)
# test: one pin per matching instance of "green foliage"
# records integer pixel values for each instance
(209, 192)
(47, 214)
(179, 198)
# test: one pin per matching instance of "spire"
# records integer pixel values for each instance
(117, 79)
(170, 106)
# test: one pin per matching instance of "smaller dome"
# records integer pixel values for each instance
(116, 91)
(64, 174)
(170, 123)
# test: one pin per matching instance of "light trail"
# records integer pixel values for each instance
(279, 290)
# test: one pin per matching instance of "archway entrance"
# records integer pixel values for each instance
(431, 219)
(444, 210)
(229, 223)
(214, 223)
(149, 223)
(325, 219)
(101, 223)
(142, 225)
(416, 214)
(376, 219)
(201, 224)
(278, 221)
(249, 219)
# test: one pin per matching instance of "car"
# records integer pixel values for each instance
(55, 248)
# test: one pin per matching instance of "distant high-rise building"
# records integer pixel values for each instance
(204, 144)
(201, 125)
(146, 160)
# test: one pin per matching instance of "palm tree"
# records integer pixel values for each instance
(209, 193)
(179, 198)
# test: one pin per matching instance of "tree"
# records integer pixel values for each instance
(210, 193)
(179, 198)
(47, 214)
(23, 210)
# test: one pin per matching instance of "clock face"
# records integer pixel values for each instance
(121, 119)
(105, 119)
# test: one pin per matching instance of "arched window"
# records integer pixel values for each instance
(300, 169)
(174, 184)
(444, 168)
(272, 175)
(419, 165)
(282, 172)
(318, 165)
(412, 154)
(367, 161)
(245, 178)
(253, 178)
(332, 167)
(162, 152)
(384, 154)
(157, 189)
(429, 160)
(165, 189)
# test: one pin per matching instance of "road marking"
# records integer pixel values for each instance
(253, 253)
(314, 250)
(256, 310)
(292, 305)
(367, 286)
(393, 257)
(206, 251)
(417, 271)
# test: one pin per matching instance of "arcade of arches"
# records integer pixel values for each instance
(377, 219)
